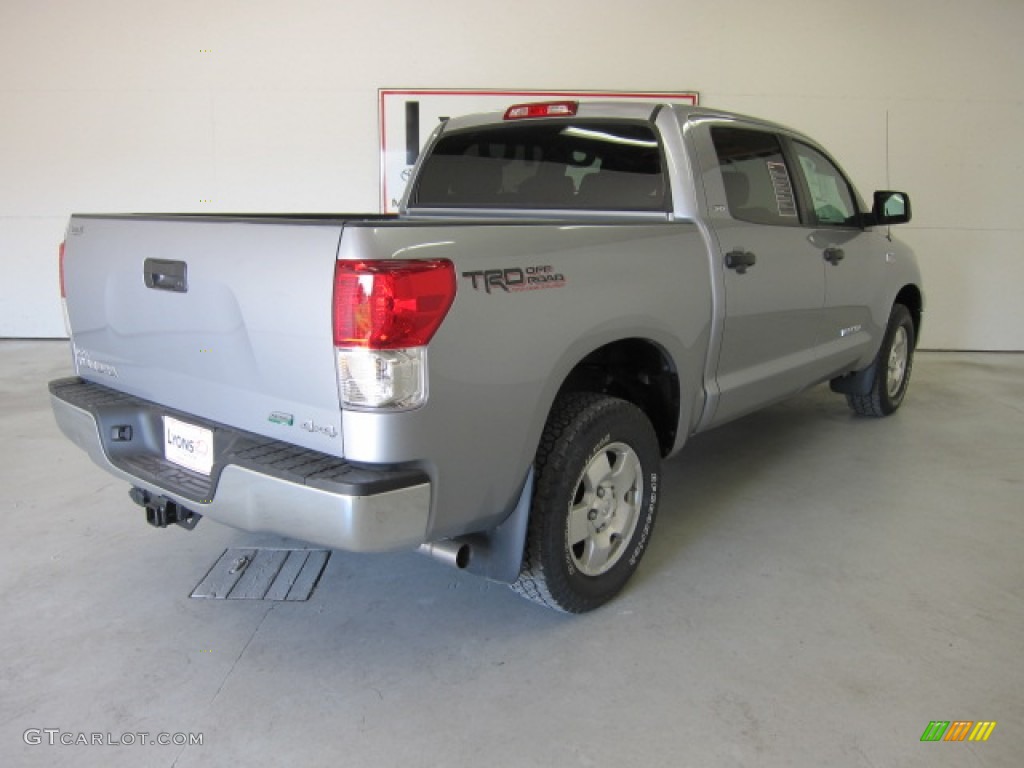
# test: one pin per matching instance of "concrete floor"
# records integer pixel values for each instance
(817, 590)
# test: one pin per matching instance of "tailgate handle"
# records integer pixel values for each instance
(166, 275)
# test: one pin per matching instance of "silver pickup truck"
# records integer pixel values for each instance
(494, 375)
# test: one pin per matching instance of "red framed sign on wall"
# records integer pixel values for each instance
(409, 115)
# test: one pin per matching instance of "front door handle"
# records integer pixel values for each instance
(740, 260)
(834, 255)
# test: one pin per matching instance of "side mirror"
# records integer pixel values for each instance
(891, 208)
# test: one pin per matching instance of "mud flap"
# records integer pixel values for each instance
(498, 554)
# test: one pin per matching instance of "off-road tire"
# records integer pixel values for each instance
(596, 478)
(893, 365)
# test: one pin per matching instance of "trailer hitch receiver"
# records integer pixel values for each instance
(162, 512)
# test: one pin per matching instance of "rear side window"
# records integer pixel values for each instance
(758, 184)
(563, 164)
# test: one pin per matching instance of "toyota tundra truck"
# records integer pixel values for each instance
(493, 375)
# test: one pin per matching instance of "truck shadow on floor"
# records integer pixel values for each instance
(762, 469)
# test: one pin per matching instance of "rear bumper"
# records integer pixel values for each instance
(257, 484)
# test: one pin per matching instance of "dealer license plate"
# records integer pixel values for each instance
(188, 446)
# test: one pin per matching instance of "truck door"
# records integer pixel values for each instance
(773, 276)
(855, 263)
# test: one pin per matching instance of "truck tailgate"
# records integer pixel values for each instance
(225, 318)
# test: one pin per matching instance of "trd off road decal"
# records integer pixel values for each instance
(516, 279)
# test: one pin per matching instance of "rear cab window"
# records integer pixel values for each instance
(551, 164)
(757, 179)
(782, 181)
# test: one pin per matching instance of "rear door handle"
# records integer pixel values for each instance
(166, 275)
(834, 255)
(740, 260)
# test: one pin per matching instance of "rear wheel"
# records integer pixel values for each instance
(594, 503)
(892, 368)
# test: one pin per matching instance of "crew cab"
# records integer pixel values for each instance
(494, 375)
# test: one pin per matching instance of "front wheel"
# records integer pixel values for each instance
(594, 502)
(892, 368)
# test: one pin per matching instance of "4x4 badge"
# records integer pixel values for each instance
(311, 426)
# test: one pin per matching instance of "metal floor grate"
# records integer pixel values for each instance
(264, 574)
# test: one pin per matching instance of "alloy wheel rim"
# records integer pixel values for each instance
(605, 508)
(899, 354)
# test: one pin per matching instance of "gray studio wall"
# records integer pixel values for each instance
(260, 105)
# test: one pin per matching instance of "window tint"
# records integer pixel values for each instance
(831, 197)
(560, 164)
(758, 185)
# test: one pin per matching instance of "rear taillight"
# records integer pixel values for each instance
(60, 267)
(390, 304)
(63, 290)
(385, 314)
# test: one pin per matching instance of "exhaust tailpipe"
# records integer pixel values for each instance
(448, 551)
